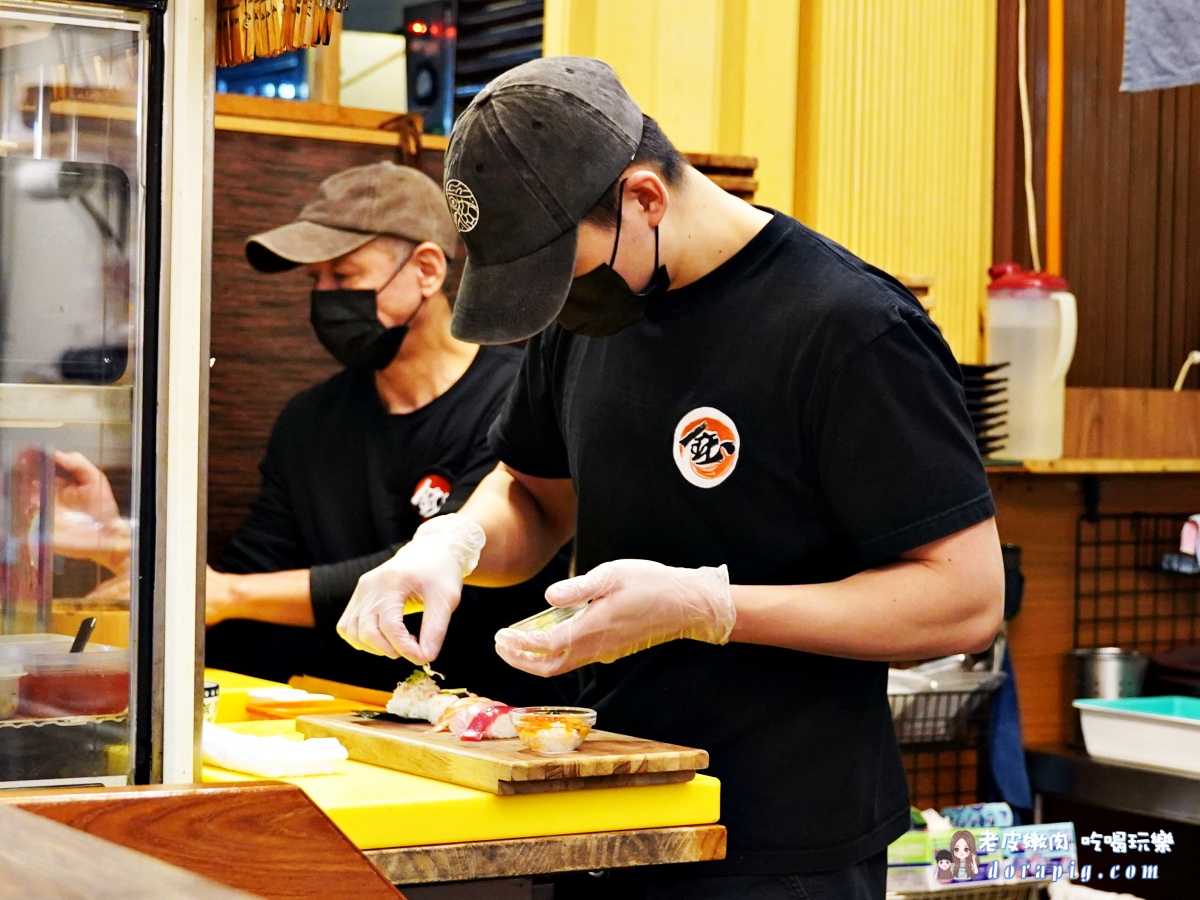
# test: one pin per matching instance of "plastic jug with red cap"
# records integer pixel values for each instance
(1031, 324)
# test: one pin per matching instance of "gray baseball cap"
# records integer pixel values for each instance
(533, 153)
(352, 208)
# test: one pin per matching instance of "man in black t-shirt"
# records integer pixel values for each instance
(761, 446)
(356, 463)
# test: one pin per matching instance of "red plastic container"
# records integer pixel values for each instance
(58, 684)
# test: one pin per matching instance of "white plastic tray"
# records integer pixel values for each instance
(1149, 731)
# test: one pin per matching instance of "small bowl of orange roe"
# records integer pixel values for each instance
(552, 730)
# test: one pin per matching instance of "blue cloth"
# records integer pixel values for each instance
(1009, 779)
(1162, 44)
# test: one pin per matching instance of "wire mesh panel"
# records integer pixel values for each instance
(943, 742)
(1123, 595)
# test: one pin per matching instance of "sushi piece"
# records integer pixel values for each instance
(481, 719)
(462, 713)
(492, 721)
(412, 696)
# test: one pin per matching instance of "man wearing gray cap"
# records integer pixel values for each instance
(357, 462)
(761, 446)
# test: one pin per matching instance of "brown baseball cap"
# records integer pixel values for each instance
(352, 208)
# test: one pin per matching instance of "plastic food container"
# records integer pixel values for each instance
(58, 683)
(19, 644)
(548, 618)
(1148, 731)
(551, 730)
(10, 688)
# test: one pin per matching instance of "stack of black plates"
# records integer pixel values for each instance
(987, 402)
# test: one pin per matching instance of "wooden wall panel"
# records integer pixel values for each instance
(1010, 232)
(1131, 197)
(263, 344)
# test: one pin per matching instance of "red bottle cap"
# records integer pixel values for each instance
(1011, 277)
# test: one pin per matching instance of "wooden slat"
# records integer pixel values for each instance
(507, 767)
(1006, 180)
(722, 161)
(735, 184)
(543, 855)
(1144, 179)
(1164, 338)
(264, 837)
(49, 861)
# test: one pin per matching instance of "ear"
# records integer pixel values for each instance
(430, 262)
(648, 189)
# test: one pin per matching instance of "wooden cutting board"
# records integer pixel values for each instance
(506, 766)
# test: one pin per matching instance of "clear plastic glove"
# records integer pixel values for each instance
(637, 604)
(429, 568)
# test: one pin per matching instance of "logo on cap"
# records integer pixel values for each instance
(463, 206)
(706, 447)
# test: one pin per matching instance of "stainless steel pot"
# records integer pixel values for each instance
(1108, 673)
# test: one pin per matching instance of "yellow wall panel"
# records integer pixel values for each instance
(894, 155)
(871, 119)
(718, 75)
(768, 128)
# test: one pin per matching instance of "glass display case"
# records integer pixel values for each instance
(81, 174)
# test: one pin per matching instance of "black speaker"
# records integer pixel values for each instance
(431, 34)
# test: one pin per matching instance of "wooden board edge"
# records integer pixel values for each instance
(518, 857)
(592, 782)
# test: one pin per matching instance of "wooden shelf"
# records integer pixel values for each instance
(316, 121)
(52, 405)
(1094, 466)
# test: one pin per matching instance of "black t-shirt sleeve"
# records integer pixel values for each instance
(331, 585)
(526, 436)
(896, 453)
(269, 540)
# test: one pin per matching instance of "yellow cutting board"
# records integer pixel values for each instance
(379, 807)
(507, 766)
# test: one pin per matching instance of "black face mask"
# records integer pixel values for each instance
(347, 325)
(601, 303)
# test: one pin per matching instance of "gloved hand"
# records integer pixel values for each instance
(429, 568)
(638, 604)
(87, 522)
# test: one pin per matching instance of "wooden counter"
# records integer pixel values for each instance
(267, 838)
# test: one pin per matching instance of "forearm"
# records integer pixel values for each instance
(522, 534)
(283, 598)
(906, 610)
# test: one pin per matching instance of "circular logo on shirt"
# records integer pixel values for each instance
(706, 447)
(464, 208)
(430, 495)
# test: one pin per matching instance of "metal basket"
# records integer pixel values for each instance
(939, 715)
